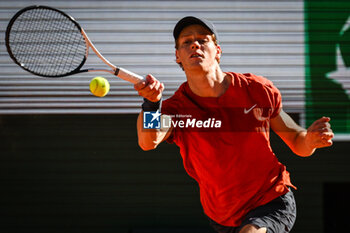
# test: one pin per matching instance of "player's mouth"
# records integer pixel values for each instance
(196, 55)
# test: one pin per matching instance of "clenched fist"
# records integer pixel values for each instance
(150, 88)
(320, 134)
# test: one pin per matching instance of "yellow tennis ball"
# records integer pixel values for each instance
(99, 86)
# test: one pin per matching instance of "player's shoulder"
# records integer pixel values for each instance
(178, 95)
(251, 80)
(257, 79)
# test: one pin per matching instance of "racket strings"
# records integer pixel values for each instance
(46, 42)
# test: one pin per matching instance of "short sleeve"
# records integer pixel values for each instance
(266, 94)
(275, 98)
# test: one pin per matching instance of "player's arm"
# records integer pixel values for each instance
(149, 139)
(301, 141)
(152, 90)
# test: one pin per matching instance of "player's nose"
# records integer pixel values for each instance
(195, 45)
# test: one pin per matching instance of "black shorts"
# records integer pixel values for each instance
(278, 216)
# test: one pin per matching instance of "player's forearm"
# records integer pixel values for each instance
(292, 134)
(301, 141)
(300, 146)
(318, 135)
(149, 139)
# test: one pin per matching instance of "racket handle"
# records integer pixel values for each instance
(128, 75)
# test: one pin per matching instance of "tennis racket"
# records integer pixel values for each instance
(47, 42)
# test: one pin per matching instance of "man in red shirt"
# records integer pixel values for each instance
(221, 122)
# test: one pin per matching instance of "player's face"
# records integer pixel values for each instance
(196, 48)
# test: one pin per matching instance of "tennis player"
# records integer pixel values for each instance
(243, 187)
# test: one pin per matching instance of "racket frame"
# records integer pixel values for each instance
(117, 71)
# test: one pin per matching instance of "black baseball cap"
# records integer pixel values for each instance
(190, 20)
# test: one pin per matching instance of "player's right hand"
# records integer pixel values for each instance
(150, 88)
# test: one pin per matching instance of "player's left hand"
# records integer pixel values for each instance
(320, 134)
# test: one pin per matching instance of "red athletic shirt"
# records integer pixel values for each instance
(230, 158)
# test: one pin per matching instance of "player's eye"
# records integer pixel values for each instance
(203, 41)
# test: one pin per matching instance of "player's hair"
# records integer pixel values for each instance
(214, 40)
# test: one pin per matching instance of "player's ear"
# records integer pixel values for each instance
(218, 52)
(177, 56)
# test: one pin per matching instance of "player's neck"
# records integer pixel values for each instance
(212, 83)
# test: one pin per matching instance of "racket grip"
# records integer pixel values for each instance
(128, 75)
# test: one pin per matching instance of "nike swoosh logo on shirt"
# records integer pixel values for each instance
(247, 111)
